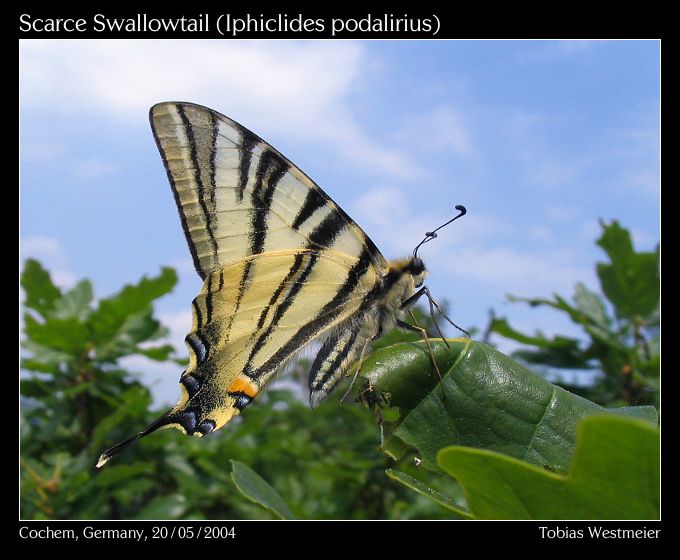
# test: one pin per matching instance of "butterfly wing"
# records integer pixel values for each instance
(282, 265)
(237, 196)
(294, 297)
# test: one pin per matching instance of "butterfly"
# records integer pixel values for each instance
(282, 265)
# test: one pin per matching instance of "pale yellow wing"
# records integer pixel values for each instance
(239, 340)
(237, 196)
(282, 265)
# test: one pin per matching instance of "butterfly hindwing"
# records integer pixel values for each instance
(231, 360)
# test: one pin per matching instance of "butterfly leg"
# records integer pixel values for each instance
(423, 333)
(425, 291)
(360, 363)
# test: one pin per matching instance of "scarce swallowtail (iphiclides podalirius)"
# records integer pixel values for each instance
(282, 265)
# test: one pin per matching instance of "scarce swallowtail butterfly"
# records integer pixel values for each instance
(282, 265)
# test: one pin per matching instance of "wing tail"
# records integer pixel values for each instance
(165, 420)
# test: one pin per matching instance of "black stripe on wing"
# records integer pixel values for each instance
(324, 318)
(315, 198)
(323, 235)
(198, 178)
(270, 170)
(313, 201)
(187, 234)
(326, 370)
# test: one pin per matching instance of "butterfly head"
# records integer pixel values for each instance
(416, 268)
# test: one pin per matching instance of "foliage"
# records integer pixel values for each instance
(622, 326)
(255, 488)
(483, 399)
(77, 400)
(285, 459)
(614, 475)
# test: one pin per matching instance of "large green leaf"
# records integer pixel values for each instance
(614, 475)
(257, 489)
(484, 400)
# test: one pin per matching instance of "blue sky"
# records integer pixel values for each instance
(539, 139)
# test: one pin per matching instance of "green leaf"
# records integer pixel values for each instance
(164, 507)
(614, 475)
(631, 280)
(647, 413)
(116, 474)
(484, 400)
(112, 313)
(560, 351)
(68, 335)
(75, 302)
(424, 490)
(591, 305)
(158, 353)
(258, 490)
(35, 388)
(41, 293)
(132, 402)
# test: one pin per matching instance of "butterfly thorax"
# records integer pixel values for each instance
(402, 278)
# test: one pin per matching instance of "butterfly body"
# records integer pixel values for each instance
(282, 266)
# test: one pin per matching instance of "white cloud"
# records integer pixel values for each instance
(42, 151)
(512, 271)
(396, 223)
(643, 240)
(57, 156)
(575, 46)
(50, 253)
(562, 212)
(93, 168)
(443, 130)
(589, 230)
(540, 52)
(281, 88)
(540, 232)
(639, 148)
(382, 206)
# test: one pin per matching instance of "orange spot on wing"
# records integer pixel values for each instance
(243, 385)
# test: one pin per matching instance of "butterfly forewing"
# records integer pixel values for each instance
(238, 196)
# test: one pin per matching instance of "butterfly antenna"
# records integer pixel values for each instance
(430, 235)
